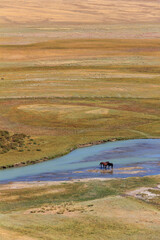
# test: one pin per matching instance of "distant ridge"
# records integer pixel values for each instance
(42, 12)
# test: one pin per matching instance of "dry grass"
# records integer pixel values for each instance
(88, 210)
(76, 72)
(42, 12)
(71, 92)
(8, 234)
(78, 51)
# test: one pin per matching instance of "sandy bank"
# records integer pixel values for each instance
(21, 185)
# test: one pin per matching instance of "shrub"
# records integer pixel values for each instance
(4, 133)
(8, 142)
(21, 150)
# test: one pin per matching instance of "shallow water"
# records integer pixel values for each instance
(141, 157)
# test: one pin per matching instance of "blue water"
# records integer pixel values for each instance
(143, 153)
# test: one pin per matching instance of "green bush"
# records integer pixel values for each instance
(21, 150)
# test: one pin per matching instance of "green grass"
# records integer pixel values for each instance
(77, 192)
(105, 215)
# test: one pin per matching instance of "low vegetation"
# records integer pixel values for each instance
(13, 142)
(80, 210)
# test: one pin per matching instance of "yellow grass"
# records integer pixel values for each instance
(44, 12)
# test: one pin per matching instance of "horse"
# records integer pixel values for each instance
(110, 165)
(104, 164)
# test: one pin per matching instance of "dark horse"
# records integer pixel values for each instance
(106, 164)
(110, 165)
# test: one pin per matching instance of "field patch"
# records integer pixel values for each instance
(67, 111)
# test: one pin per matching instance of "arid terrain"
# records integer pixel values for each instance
(74, 73)
(52, 11)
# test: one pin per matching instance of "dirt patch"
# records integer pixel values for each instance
(51, 108)
(98, 111)
(145, 193)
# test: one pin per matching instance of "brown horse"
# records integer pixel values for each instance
(104, 164)
(110, 165)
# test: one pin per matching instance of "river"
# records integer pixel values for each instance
(140, 157)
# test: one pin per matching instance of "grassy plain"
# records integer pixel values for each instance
(68, 92)
(80, 210)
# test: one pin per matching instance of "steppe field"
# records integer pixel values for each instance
(73, 73)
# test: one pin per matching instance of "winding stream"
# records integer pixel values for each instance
(139, 157)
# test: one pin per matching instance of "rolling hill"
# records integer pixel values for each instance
(39, 12)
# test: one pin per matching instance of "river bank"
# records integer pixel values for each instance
(21, 185)
(22, 164)
(27, 163)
